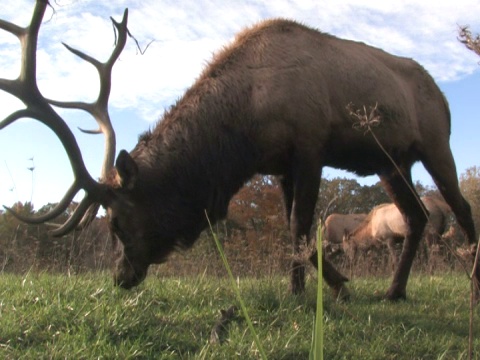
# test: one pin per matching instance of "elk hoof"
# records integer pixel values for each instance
(341, 293)
(296, 289)
(395, 295)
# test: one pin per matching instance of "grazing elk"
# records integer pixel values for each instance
(336, 225)
(272, 102)
(385, 225)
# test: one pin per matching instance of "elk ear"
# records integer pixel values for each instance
(127, 170)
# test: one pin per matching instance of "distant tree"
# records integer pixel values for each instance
(259, 205)
(17, 239)
(470, 186)
(338, 194)
(370, 196)
(9, 223)
(347, 196)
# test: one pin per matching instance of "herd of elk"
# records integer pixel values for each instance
(274, 101)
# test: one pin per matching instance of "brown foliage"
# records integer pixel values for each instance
(254, 235)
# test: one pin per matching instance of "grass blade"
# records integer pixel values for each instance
(237, 293)
(316, 352)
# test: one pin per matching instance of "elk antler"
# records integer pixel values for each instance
(99, 108)
(38, 107)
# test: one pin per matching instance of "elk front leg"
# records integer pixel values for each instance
(298, 272)
(334, 279)
(301, 192)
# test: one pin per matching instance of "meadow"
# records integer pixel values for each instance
(45, 316)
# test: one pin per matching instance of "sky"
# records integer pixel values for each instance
(185, 34)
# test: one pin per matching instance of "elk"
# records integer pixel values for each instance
(336, 225)
(385, 225)
(271, 102)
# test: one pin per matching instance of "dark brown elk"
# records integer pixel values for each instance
(385, 226)
(335, 227)
(271, 102)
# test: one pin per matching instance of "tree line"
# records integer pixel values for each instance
(255, 228)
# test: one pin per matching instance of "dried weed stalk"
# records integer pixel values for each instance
(470, 41)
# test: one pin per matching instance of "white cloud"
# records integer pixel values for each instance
(186, 33)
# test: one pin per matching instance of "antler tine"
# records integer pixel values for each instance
(74, 219)
(26, 83)
(26, 89)
(56, 211)
(99, 108)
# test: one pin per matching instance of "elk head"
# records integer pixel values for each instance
(115, 191)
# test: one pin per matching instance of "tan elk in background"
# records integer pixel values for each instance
(385, 227)
(334, 229)
(271, 102)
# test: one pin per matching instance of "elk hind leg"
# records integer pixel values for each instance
(414, 213)
(444, 174)
(305, 193)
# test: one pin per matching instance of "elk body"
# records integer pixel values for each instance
(336, 226)
(272, 102)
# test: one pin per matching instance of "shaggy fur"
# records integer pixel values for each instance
(274, 102)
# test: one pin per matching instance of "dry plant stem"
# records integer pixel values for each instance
(473, 285)
(470, 326)
(318, 329)
(473, 300)
(470, 41)
(458, 258)
(369, 120)
(399, 171)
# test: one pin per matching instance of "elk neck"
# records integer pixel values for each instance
(198, 155)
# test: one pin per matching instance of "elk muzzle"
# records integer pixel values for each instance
(128, 275)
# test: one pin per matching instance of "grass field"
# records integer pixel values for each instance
(84, 317)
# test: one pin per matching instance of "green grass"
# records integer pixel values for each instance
(84, 317)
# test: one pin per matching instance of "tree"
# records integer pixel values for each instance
(259, 204)
(17, 239)
(9, 223)
(347, 196)
(470, 186)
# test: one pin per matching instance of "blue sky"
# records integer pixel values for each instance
(186, 34)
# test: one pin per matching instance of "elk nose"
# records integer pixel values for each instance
(128, 280)
(117, 281)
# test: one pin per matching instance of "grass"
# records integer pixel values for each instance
(238, 294)
(84, 317)
(316, 351)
